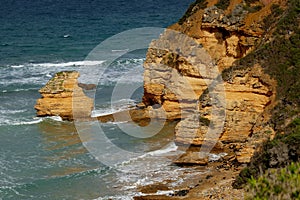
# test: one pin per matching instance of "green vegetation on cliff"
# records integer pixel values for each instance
(278, 153)
(276, 184)
(279, 55)
(223, 4)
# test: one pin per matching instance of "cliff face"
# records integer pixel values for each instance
(227, 31)
(62, 96)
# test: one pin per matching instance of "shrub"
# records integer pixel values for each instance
(272, 151)
(276, 184)
(223, 4)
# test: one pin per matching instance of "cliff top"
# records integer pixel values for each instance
(61, 82)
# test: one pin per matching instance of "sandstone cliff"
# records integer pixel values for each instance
(62, 96)
(228, 31)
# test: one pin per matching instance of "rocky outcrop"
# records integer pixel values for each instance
(62, 96)
(178, 84)
(248, 98)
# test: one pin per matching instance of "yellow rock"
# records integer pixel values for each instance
(62, 96)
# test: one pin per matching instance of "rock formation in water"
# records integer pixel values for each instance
(230, 33)
(63, 97)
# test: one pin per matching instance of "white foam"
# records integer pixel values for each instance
(27, 122)
(119, 50)
(55, 118)
(116, 123)
(119, 197)
(35, 120)
(69, 64)
(39, 73)
(17, 66)
(170, 148)
(130, 61)
(62, 64)
(12, 111)
(216, 157)
(152, 168)
(19, 90)
(118, 106)
(99, 113)
(124, 71)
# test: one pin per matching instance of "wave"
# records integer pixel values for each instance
(35, 120)
(20, 90)
(67, 36)
(25, 75)
(17, 188)
(171, 147)
(80, 63)
(37, 74)
(27, 122)
(130, 61)
(104, 112)
(117, 197)
(114, 107)
(88, 172)
(54, 118)
(119, 50)
(11, 111)
(62, 64)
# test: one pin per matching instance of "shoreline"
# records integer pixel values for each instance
(215, 184)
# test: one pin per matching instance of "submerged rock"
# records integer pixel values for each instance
(63, 97)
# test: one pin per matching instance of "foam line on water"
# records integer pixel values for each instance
(62, 64)
(171, 147)
(35, 120)
(119, 106)
(40, 73)
(20, 90)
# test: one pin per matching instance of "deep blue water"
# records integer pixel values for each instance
(33, 31)
(44, 158)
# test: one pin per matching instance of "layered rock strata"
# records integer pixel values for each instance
(182, 87)
(62, 96)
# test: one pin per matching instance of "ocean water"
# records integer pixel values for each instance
(45, 158)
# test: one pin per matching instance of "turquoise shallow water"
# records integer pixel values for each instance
(44, 158)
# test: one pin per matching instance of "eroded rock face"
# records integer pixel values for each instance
(62, 96)
(249, 95)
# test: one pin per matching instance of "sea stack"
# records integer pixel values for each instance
(63, 97)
